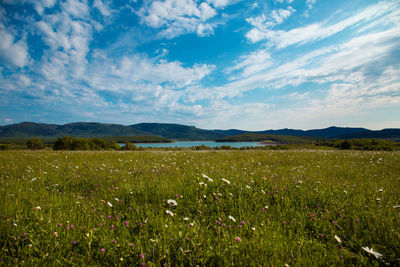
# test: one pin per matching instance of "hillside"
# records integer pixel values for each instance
(26, 130)
(178, 131)
(77, 129)
(280, 139)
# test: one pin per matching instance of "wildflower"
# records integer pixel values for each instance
(357, 220)
(112, 226)
(95, 229)
(238, 239)
(176, 196)
(109, 204)
(321, 235)
(101, 224)
(102, 250)
(116, 199)
(233, 219)
(186, 219)
(253, 228)
(243, 222)
(72, 226)
(169, 213)
(372, 252)
(338, 239)
(38, 208)
(226, 181)
(131, 244)
(141, 256)
(55, 234)
(208, 178)
(126, 223)
(74, 242)
(172, 202)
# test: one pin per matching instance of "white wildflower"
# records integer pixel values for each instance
(33, 179)
(15, 224)
(266, 207)
(109, 204)
(262, 191)
(38, 208)
(380, 190)
(186, 219)
(378, 199)
(169, 213)
(253, 228)
(172, 202)
(248, 186)
(191, 224)
(372, 252)
(226, 181)
(116, 199)
(208, 178)
(345, 191)
(231, 218)
(338, 239)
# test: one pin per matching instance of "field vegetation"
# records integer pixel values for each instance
(246, 208)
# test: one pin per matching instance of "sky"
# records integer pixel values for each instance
(213, 64)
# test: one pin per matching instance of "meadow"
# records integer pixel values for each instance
(171, 208)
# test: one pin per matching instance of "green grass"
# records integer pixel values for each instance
(288, 207)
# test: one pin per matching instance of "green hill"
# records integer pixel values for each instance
(280, 139)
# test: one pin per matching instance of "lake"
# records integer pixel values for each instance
(199, 143)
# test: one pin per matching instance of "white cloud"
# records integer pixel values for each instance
(12, 53)
(103, 8)
(142, 69)
(76, 8)
(317, 31)
(253, 63)
(221, 3)
(310, 3)
(176, 17)
(275, 17)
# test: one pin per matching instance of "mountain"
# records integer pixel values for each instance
(94, 129)
(174, 131)
(331, 132)
(178, 131)
(78, 129)
(382, 134)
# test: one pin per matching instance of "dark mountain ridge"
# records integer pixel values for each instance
(174, 131)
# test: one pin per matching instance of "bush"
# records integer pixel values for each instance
(35, 144)
(5, 146)
(129, 146)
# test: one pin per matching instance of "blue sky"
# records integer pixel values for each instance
(214, 64)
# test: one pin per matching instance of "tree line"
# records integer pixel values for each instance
(72, 143)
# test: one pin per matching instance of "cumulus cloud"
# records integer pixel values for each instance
(13, 53)
(176, 17)
(103, 8)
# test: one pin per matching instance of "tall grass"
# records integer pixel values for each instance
(233, 208)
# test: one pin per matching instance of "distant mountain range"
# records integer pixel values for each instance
(174, 131)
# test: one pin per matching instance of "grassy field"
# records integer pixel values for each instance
(300, 208)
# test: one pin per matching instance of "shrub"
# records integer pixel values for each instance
(35, 144)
